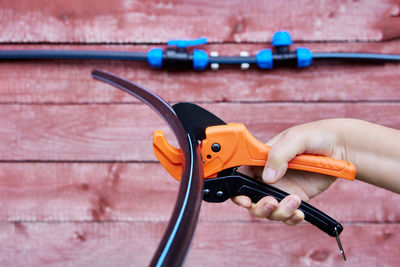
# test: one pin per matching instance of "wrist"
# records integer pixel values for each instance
(374, 150)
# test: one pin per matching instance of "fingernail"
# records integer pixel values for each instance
(268, 208)
(244, 203)
(299, 216)
(294, 204)
(269, 175)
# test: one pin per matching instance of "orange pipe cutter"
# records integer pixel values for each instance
(232, 145)
(224, 147)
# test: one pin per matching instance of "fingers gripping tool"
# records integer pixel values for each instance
(224, 147)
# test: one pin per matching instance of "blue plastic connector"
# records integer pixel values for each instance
(154, 57)
(200, 59)
(264, 59)
(186, 43)
(281, 38)
(304, 57)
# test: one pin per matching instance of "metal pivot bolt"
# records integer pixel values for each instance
(206, 191)
(215, 147)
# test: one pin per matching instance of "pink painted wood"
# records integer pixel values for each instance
(82, 192)
(231, 243)
(110, 132)
(125, 21)
(79, 184)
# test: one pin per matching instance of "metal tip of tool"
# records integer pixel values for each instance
(340, 244)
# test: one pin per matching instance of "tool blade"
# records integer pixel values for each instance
(196, 119)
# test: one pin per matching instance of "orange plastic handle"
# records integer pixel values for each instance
(238, 147)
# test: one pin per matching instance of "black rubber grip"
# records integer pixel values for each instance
(224, 187)
(311, 214)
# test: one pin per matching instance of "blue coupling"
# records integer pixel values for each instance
(264, 59)
(304, 57)
(200, 59)
(281, 38)
(154, 57)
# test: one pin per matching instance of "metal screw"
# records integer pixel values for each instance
(219, 194)
(206, 192)
(215, 147)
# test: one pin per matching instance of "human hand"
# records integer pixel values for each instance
(319, 138)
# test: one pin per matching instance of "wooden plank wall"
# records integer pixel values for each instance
(79, 185)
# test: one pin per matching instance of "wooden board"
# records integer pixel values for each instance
(144, 192)
(123, 132)
(79, 184)
(126, 21)
(215, 244)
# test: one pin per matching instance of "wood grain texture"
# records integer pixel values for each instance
(124, 132)
(68, 81)
(233, 244)
(79, 185)
(125, 21)
(144, 192)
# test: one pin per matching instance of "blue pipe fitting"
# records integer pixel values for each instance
(200, 59)
(264, 59)
(154, 57)
(186, 43)
(281, 38)
(304, 57)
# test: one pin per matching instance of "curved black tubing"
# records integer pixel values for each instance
(178, 235)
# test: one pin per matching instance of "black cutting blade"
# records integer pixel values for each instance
(196, 119)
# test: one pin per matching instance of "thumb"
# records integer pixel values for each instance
(282, 151)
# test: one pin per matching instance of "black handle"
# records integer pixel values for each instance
(221, 188)
(311, 214)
